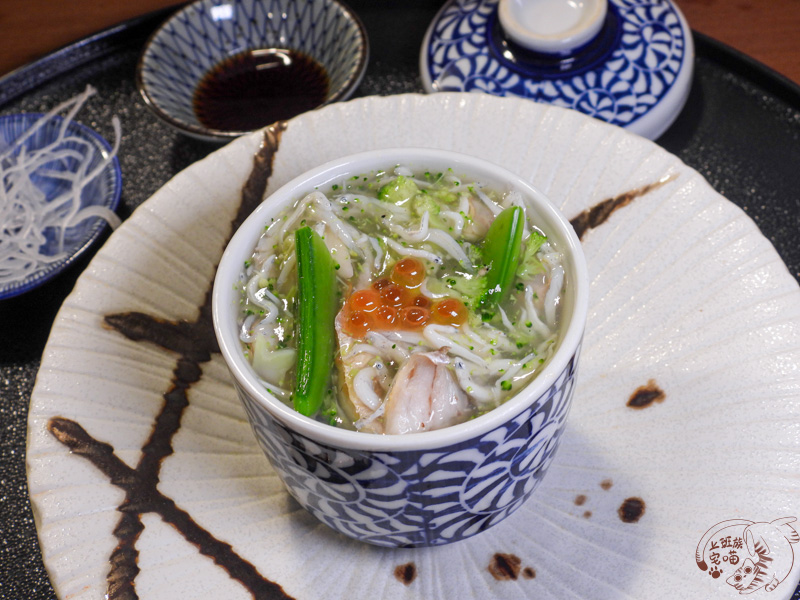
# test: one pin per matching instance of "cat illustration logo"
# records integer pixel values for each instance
(751, 555)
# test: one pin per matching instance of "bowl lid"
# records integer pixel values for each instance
(635, 72)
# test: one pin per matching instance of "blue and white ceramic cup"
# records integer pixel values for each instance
(419, 489)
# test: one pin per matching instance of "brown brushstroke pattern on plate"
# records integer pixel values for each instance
(194, 342)
(508, 567)
(406, 573)
(529, 573)
(599, 213)
(646, 395)
(505, 567)
(631, 510)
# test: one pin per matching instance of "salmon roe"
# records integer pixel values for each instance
(397, 304)
(394, 295)
(414, 317)
(358, 324)
(449, 312)
(422, 301)
(381, 283)
(408, 272)
(386, 317)
(367, 300)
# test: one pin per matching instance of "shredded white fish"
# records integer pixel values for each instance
(477, 341)
(504, 317)
(436, 236)
(443, 336)
(511, 369)
(287, 269)
(386, 347)
(364, 387)
(414, 235)
(361, 423)
(492, 206)
(553, 295)
(456, 221)
(532, 315)
(367, 243)
(260, 296)
(359, 348)
(423, 289)
(245, 328)
(415, 252)
(451, 246)
(346, 233)
(412, 338)
(284, 225)
(484, 395)
(25, 211)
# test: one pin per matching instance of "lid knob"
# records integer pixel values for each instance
(552, 26)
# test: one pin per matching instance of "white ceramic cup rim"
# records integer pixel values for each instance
(240, 247)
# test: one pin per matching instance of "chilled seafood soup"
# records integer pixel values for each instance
(401, 301)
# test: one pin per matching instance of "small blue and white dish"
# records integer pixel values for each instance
(48, 251)
(626, 62)
(218, 69)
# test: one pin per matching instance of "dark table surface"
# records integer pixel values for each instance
(740, 129)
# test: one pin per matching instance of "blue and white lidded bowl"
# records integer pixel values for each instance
(626, 62)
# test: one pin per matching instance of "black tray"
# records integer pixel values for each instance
(740, 129)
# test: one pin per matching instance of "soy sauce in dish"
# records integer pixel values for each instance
(255, 88)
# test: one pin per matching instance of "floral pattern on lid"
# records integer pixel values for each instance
(635, 74)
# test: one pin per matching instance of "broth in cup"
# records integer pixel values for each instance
(439, 300)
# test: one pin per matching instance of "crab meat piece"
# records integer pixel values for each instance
(425, 396)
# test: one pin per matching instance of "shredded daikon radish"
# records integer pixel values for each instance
(29, 220)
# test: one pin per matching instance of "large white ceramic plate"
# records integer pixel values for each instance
(688, 300)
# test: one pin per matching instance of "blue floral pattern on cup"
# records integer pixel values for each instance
(620, 77)
(424, 497)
